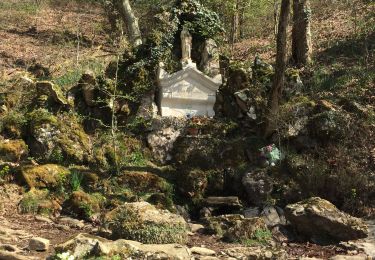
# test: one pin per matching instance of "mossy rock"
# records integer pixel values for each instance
(320, 221)
(83, 205)
(12, 124)
(329, 125)
(39, 202)
(73, 140)
(58, 139)
(13, 150)
(235, 227)
(49, 176)
(143, 222)
(143, 182)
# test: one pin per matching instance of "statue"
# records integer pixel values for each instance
(186, 45)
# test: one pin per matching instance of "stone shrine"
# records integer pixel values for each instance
(188, 92)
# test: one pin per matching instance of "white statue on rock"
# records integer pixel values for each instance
(186, 46)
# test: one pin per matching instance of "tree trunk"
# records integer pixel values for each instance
(130, 20)
(278, 81)
(275, 16)
(235, 23)
(301, 33)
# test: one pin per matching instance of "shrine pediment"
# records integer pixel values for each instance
(189, 77)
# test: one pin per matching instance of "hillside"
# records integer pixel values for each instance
(90, 170)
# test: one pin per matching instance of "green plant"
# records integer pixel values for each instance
(136, 159)
(31, 200)
(4, 171)
(87, 210)
(75, 180)
(260, 237)
(41, 116)
(56, 156)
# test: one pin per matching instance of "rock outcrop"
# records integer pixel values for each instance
(143, 222)
(319, 220)
(44, 176)
(57, 139)
(163, 136)
(235, 227)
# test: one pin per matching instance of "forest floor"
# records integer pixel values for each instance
(61, 40)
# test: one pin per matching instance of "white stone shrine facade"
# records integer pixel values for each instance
(188, 92)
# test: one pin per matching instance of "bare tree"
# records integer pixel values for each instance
(279, 78)
(130, 20)
(235, 23)
(301, 33)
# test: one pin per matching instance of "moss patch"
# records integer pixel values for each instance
(13, 150)
(142, 222)
(50, 176)
(83, 205)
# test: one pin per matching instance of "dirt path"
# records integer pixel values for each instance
(17, 229)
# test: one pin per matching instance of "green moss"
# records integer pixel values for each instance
(162, 201)
(236, 228)
(143, 182)
(72, 139)
(49, 176)
(260, 237)
(123, 151)
(128, 225)
(12, 124)
(83, 205)
(70, 142)
(41, 116)
(13, 150)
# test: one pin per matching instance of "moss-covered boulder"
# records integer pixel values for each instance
(329, 125)
(58, 139)
(49, 176)
(143, 222)
(13, 150)
(143, 182)
(236, 227)
(12, 124)
(320, 221)
(83, 205)
(39, 202)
